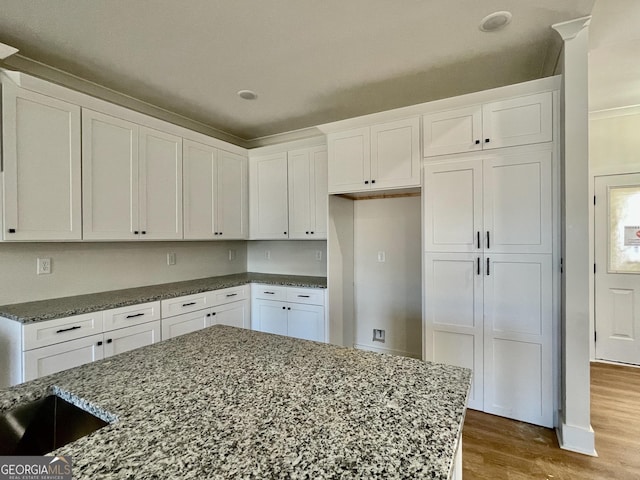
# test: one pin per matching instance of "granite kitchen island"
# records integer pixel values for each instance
(232, 403)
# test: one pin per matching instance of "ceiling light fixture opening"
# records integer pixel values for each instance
(495, 21)
(247, 94)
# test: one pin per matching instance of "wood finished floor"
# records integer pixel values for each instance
(496, 448)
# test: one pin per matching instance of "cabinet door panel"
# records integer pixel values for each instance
(160, 176)
(109, 177)
(518, 202)
(453, 131)
(234, 314)
(518, 121)
(62, 356)
(453, 285)
(453, 206)
(300, 194)
(41, 156)
(320, 195)
(349, 161)
(518, 322)
(269, 316)
(199, 182)
(185, 323)
(395, 154)
(233, 196)
(306, 322)
(268, 197)
(130, 338)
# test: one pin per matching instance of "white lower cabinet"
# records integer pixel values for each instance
(301, 316)
(227, 306)
(130, 338)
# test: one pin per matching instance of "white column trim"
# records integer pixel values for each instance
(569, 30)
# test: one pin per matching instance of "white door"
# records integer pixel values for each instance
(160, 189)
(62, 356)
(518, 121)
(617, 278)
(517, 202)
(109, 177)
(518, 322)
(305, 321)
(199, 189)
(453, 131)
(41, 157)
(269, 215)
(395, 154)
(232, 218)
(270, 316)
(185, 323)
(453, 206)
(300, 194)
(130, 338)
(453, 284)
(319, 184)
(234, 314)
(349, 161)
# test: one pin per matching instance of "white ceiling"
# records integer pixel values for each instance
(310, 61)
(614, 54)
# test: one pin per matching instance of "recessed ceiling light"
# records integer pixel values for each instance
(247, 94)
(495, 21)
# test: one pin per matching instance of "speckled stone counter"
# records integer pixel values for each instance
(227, 403)
(65, 307)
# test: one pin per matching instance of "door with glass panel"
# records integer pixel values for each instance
(617, 278)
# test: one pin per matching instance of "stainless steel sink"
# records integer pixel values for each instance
(38, 427)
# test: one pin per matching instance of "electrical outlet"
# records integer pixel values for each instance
(378, 335)
(267, 254)
(382, 257)
(232, 255)
(318, 255)
(44, 266)
(171, 258)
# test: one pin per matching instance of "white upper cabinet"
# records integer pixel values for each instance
(215, 193)
(307, 177)
(41, 157)
(160, 177)
(268, 197)
(506, 123)
(380, 157)
(132, 180)
(501, 202)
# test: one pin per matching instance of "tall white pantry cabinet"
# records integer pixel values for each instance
(489, 237)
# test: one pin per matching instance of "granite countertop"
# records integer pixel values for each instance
(30, 312)
(228, 403)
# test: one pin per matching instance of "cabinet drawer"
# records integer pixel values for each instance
(131, 315)
(49, 332)
(228, 295)
(311, 296)
(269, 292)
(186, 323)
(186, 304)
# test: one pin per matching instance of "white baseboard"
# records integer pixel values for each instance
(390, 351)
(577, 439)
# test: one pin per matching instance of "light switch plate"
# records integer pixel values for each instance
(382, 257)
(171, 258)
(44, 266)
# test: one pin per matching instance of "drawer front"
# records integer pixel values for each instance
(183, 324)
(269, 292)
(50, 332)
(232, 294)
(310, 296)
(131, 315)
(186, 304)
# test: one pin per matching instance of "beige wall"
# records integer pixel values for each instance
(388, 295)
(292, 257)
(79, 268)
